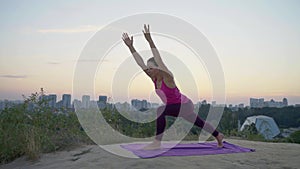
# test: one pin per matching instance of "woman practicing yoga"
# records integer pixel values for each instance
(166, 89)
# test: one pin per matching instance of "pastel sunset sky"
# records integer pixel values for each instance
(257, 43)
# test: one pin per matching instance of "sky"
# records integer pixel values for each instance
(257, 43)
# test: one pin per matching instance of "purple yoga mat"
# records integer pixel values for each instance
(191, 149)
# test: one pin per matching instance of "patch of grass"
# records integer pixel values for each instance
(31, 131)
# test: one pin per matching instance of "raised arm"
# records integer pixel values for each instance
(137, 57)
(155, 51)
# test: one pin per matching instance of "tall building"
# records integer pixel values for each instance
(43, 97)
(273, 103)
(102, 103)
(285, 102)
(259, 103)
(256, 103)
(59, 104)
(85, 101)
(136, 104)
(77, 104)
(66, 101)
(52, 100)
(144, 104)
(122, 106)
(103, 99)
(241, 106)
(139, 104)
(9, 103)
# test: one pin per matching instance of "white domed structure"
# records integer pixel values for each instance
(265, 125)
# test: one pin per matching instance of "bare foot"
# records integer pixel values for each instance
(152, 146)
(220, 138)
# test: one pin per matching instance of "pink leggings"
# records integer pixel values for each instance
(186, 111)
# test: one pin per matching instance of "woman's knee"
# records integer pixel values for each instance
(160, 110)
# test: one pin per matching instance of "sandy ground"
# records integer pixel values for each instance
(267, 155)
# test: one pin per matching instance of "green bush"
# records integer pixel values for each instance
(250, 133)
(295, 137)
(29, 132)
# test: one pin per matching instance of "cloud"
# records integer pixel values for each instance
(79, 60)
(80, 29)
(53, 63)
(91, 60)
(88, 60)
(14, 76)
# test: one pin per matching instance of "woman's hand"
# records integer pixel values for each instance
(146, 32)
(128, 41)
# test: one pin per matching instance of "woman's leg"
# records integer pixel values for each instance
(162, 112)
(194, 118)
(186, 111)
(189, 115)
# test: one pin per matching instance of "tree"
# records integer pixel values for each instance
(295, 137)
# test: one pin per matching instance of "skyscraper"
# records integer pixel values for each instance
(52, 100)
(139, 104)
(285, 102)
(256, 103)
(85, 101)
(102, 102)
(66, 101)
(103, 99)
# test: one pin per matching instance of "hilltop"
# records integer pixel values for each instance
(267, 155)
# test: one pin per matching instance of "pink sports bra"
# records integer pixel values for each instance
(170, 95)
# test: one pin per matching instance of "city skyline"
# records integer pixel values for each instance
(66, 99)
(257, 44)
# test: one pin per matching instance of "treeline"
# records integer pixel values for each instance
(30, 132)
(127, 127)
(285, 117)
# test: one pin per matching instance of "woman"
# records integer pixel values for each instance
(166, 89)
